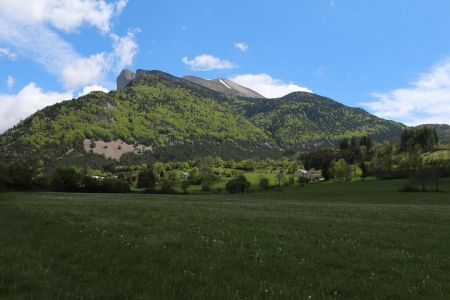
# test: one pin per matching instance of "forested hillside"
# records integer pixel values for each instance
(158, 116)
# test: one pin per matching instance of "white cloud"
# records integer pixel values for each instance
(427, 100)
(206, 62)
(16, 107)
(85, 71)
(10, 82)
(242, 46)
(120, 6)
(5, 52)
(125, 49)
(30, 99)
(60, 58)
(268, 86)
(86, 90)
(66, 15)
(29, 33)
(39, 44)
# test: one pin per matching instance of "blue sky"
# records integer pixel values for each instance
(389, 57)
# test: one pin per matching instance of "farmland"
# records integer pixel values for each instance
(352, 240)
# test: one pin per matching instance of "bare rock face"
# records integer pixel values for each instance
(124, 78)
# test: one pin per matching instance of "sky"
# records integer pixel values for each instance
(391, 58)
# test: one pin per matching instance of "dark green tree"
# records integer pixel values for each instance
(238, 185)
(146, 179)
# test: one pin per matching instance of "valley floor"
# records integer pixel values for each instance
(357, 240)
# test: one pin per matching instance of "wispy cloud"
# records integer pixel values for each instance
(427, 100)
(10, 82)
(268, 86)
(206, 62)
(125, 49)
(5, 52)
(32, 31)
(241, 46)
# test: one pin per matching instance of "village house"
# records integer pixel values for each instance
(184, 175)
(312, 175)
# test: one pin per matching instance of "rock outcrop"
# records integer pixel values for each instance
(125, 77)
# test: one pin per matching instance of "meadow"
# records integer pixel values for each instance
(352, 240)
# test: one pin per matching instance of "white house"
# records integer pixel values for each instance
(184, 175)
(311, 175)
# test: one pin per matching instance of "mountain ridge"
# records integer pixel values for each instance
(158, 116)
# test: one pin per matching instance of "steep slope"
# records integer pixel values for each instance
(225, 86)
(443, 131)
(303, 120)
(157, 116)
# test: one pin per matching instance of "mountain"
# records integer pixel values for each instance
(156, 116)
(304, 120)
(225, 86)
(443, 131)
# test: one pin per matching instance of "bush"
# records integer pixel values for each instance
(146, 179)
(16, 177)
(206, 185)
(167, 186)
(105, 185)
(409, 188)
(40, 182)
(66, 180)
(185, 184)
(264, 183)
(238, 185)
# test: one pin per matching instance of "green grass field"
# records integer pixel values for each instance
(358, 240)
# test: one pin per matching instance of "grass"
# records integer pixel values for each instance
(358, 240)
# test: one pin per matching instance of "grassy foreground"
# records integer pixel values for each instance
(359, 240)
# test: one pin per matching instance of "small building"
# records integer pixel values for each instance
(312, 174)
(184, 175)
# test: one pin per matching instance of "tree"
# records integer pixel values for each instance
(319, 159)
(146, 179)
(66, 180)
(167, 186)
(280, 177)
(21, 176)
(237, 185)
(420, 138)
(247, 165)
(302, 181)
(158, 170)
(341, 170)
(364, 170)
(185, 184)
(264, 183)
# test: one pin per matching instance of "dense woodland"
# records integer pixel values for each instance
(181, 121)
(416, 156)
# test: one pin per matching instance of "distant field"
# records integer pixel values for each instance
(358, 240)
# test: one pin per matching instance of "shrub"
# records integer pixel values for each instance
(167, 186)
(185, 184)
(264, 183)
(66, 180)
(409, 188)
(206, 185)
(146, 179)
(237, 185)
